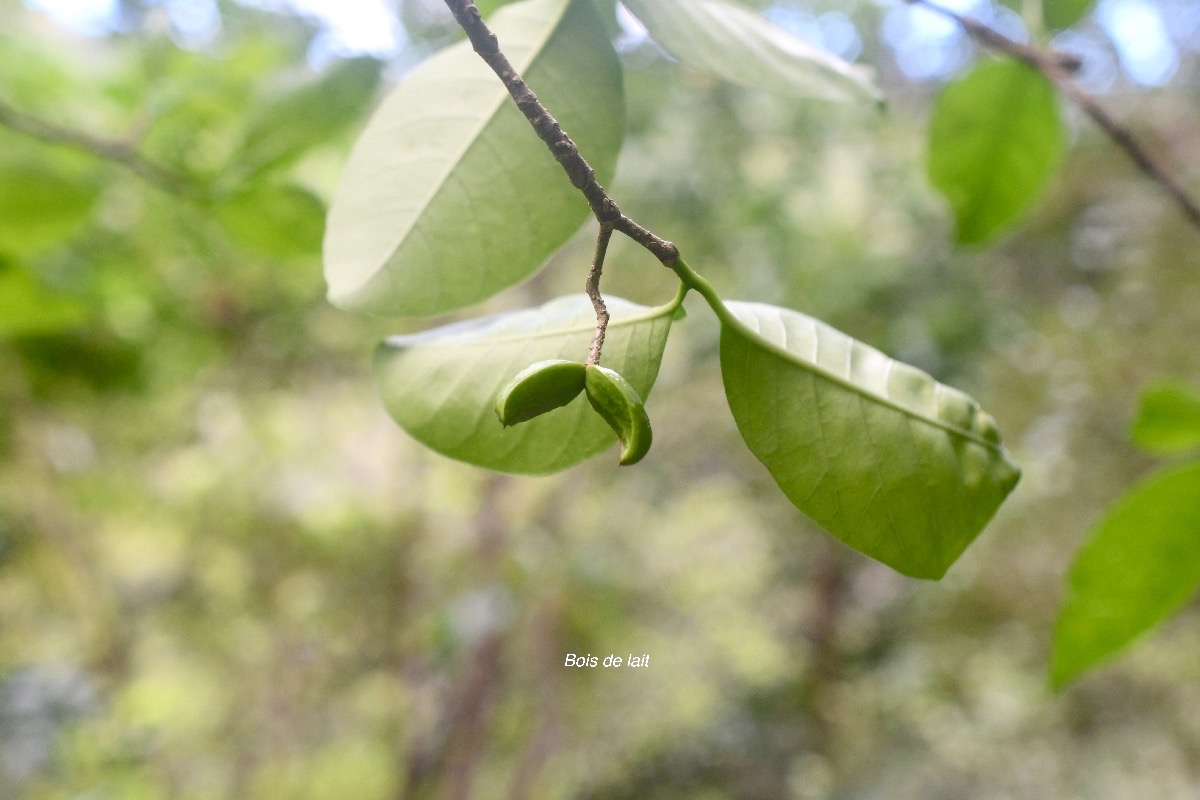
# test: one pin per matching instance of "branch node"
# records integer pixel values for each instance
(561, 146)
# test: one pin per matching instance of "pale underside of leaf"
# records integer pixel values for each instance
(1140, 564)
(743, 47)
(449, 196)
(895, 464)
(441, 385)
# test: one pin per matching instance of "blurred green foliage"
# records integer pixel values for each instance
(995, 141)
(225, 574)
(1060, 14)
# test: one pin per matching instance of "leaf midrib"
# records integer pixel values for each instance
(809, 366)
(650, 314)
(502, 97)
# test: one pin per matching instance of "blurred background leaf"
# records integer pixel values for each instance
(40, 205)
(27, 308)
(1060, 14)
(284, 221)
(736, 45)
(1168, 419)
(283, 129)
(1140, 565)
(995, 139)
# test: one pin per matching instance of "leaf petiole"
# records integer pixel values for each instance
(692, 280)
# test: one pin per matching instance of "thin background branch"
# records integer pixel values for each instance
(1057, 69)
(118, 152)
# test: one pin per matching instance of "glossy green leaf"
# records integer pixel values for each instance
(995, 139)
(896, 465)
(40, 205)
(1139, 565)
(448, 196)
(279, 221)
(1060, 14)
(743, 47)
(1168, 420)
(283, 130)
(441, 385)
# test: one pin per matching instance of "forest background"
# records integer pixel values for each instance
(224, 573)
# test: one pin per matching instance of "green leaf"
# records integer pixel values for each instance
(27, 309)
(1139, 565)
(1060, 14)
(743, 47)
(40, 205)
(285, 129)
(277, 221)
(896, 465)
(449, 196)
(441, 385)
(995, 139)
(489, 7)
(1168, 420)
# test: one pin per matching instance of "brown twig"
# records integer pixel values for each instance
(593, 291)
(1058, 71)
(564, 150)
(121, 153)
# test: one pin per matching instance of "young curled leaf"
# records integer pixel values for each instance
(441, 385)
(539, 388)
(619, 404)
